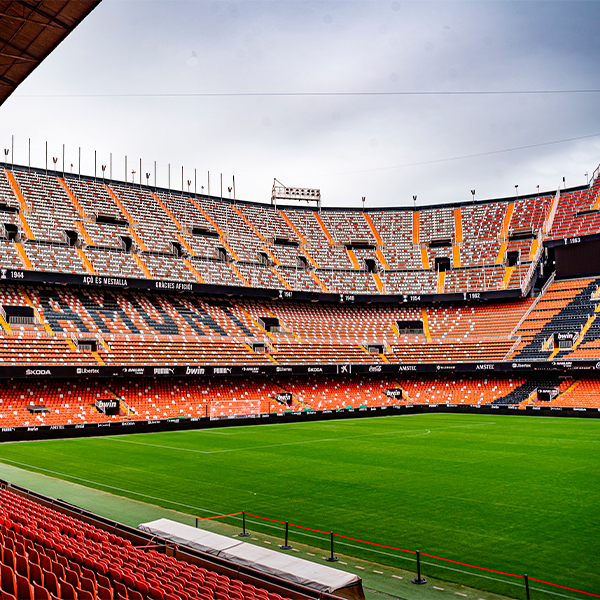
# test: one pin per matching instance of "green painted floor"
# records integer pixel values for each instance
(378, 581)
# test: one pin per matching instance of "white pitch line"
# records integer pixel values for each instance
(194, 450)
(422, 432)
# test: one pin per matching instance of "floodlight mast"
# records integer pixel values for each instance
(282, 192)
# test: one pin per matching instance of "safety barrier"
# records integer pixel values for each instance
(443, 568)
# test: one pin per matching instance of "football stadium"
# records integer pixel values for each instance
(206, 397)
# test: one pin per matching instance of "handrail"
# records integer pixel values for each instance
(512, 348)
(161, 338)
(534, 303)
(549, 221)
(595, 175)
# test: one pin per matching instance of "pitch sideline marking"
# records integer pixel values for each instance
(422, 433)
(68, 477)
(110, 438)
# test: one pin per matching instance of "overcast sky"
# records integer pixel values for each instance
(385, 147)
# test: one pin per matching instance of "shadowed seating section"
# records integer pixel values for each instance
(48, 554)
(122, 327)
(565, 307)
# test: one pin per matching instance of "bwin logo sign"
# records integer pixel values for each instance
(194, 371)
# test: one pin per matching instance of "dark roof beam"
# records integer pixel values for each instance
(17, 57)
(25, 20)
(48, 16)
(18, 52)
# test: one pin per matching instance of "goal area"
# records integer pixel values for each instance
(232, 409)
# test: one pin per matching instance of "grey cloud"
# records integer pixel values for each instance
(343, 144)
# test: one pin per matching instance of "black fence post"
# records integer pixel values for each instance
(286, 546)
(244, 534)
(526, 585)
(332, 558)
(420, 580)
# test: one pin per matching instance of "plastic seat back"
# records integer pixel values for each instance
(51, 582)
(9, 581)
(67, 591)
(22, 566)
(72, 578)
(35, 574)
(84, 595)
(40, 592)
(104, 593)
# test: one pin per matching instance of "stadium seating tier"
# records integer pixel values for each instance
(83, 226)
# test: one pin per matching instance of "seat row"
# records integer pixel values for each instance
(47, 555)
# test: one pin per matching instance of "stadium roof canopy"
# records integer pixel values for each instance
(29, 31)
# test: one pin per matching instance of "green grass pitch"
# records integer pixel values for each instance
(518, 494)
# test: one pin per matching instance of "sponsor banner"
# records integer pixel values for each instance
(133, 371)
(163, 371)
(21, 276)
(565, 335)
(109, 406)
(571, 240)
(106, 404)
(394, 393)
